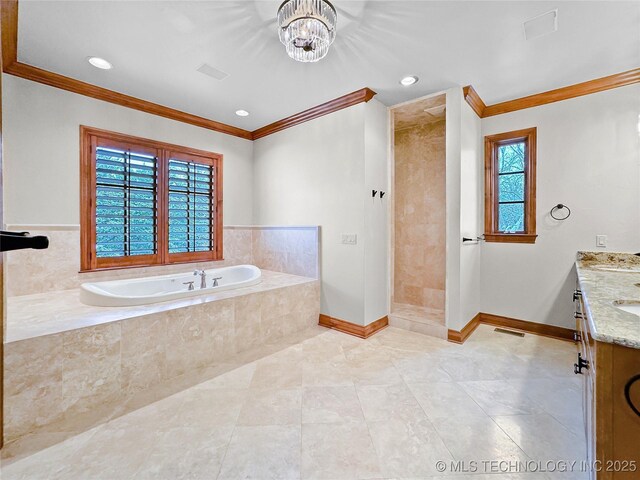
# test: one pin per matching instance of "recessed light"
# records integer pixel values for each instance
(100, 63)
(242, 113)
(410, 80)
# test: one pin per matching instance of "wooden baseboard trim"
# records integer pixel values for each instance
(459, 337)
(361, 331)
(551, 331)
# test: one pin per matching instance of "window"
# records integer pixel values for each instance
(147, 203)
(510, 187)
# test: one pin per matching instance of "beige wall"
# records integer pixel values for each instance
(42, 143)
(419, 256)
(291, 250)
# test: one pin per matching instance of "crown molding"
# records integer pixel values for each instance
(353, 98)
(45, 77)
(11, 65)
(579, 89)
(474, 100)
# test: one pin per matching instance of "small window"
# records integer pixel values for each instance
(510, 187)
(147, 203)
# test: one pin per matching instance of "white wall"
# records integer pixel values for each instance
(321, 172)
(465, 174)
(471, 214)
(377, 136)
(588, 158)
(41, 151)
(453, 178)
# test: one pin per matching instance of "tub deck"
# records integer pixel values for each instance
(30, 316)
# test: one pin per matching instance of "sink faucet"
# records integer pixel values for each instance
(203, 278)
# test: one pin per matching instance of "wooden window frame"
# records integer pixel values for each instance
(90, 138)
(491, 145)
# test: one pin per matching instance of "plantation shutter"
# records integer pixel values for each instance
(126, 206)
(191, 211)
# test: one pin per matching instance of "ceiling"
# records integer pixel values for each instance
(156, 47)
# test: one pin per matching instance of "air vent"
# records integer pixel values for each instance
(212, 72)
(509, 332)
(541, 25)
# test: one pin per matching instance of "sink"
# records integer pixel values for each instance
(617, 268)
(630, 306)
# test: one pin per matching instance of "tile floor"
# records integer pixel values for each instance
(331, 406)
(425, 320)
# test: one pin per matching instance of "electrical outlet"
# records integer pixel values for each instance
(601, 241)
(349, 239)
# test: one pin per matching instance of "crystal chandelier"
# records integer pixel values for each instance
(307, 28)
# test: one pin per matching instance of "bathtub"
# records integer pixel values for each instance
(142, 291)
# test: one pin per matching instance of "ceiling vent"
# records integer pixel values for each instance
(541, 25)
(212, 72)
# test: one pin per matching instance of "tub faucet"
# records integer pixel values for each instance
(203, 278)
(215, 281)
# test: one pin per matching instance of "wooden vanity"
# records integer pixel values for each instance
(611, 374)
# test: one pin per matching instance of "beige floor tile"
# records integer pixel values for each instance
(330, 405)
(186, 452)
(422, 368)
(277, 372)
(211, 408)
(338, 451)
(329, 373)
(477, 439)
(403, 384)
(113, 453)
(407, 449)
(438, 398)
(542, 437)
(264, 452)
(387, 402)
(501, 397)
(234, 377)
(272, 407)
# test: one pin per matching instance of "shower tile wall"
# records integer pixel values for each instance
(419, 276)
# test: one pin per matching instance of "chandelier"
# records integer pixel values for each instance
(307, 28)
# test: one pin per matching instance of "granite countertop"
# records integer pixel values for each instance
(604, 278)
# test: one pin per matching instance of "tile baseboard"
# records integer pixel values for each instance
(362, 331)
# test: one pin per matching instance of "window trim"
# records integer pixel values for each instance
(89, 139)
(491, 144)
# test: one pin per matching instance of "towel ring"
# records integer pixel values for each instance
(558, 207)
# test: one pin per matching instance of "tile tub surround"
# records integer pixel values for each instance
(287, 249)
(419, 216)
(600, 288)
(390, 406)
(67, 364)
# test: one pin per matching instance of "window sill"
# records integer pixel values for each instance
(510, 237)
(148, 265)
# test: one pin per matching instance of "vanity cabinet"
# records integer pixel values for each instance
(612, 428)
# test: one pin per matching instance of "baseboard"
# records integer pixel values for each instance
(459, 337)
(551, 331)
(362, 331)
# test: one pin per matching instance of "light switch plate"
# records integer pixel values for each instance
(601, 241)
(349, 239)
